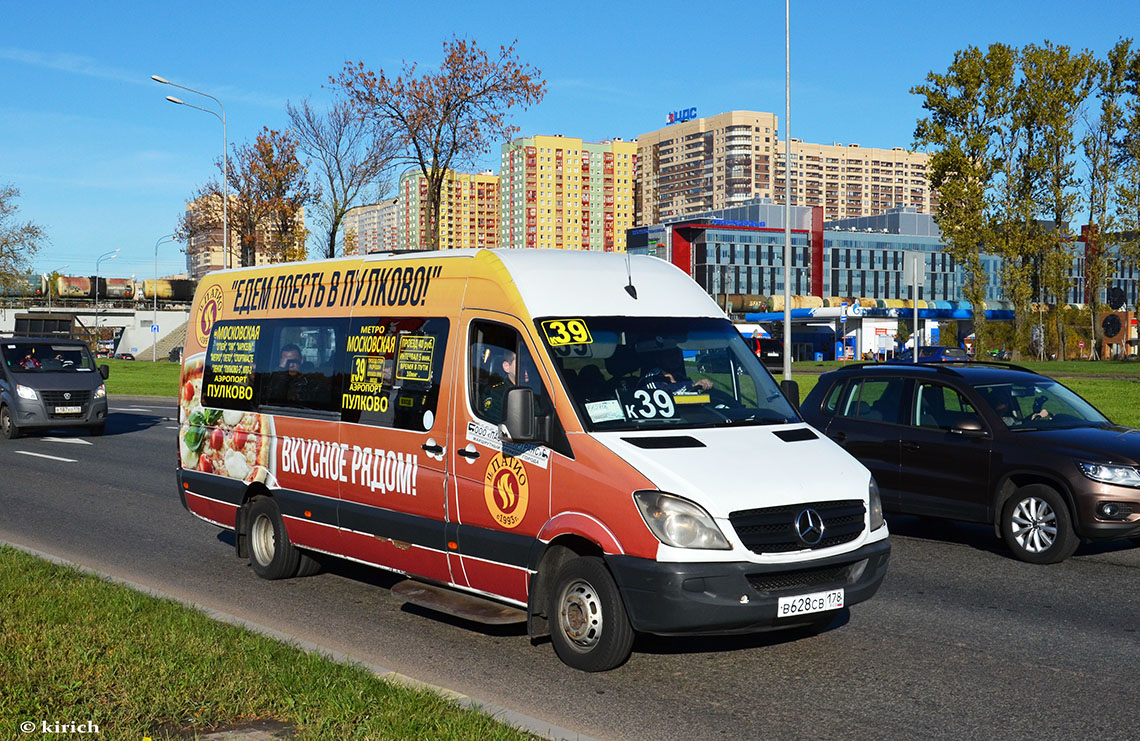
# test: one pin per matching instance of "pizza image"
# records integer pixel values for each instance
(228, 443)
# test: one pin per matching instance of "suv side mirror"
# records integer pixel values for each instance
(969, 426)
(104, 370)
(519, 424)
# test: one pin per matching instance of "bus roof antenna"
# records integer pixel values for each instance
(629, 277)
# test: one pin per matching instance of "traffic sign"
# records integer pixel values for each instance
(154, 328)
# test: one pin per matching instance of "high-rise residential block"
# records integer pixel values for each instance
(204, 252)
(468, 211)
(369, 228)
(737, 157)
(558, 192)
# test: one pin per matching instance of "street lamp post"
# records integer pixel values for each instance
(225, 157)
(154, 340)
(110, 255)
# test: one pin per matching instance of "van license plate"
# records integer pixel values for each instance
(805, 603)
(68, 410)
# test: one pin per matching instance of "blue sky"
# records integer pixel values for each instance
(104, 162)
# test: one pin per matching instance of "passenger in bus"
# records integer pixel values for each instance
(288, 384)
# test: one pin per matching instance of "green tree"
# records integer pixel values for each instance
(1057, 83)
(1127, 151)
(446, 118)
(965, 106)
(19, 241)
(1098, 144)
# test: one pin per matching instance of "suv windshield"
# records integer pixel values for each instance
(1040, 404)
(626, 373)
(45, 357)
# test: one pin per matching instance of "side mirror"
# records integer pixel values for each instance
(104, 370)
(791, 391)
(519, 424)
(969, 426)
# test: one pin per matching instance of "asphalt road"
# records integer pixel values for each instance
(961, 641)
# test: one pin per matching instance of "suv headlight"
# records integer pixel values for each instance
(875, 504)
(678, 522)
(1107, 473)
(101, 391)
(26, 392)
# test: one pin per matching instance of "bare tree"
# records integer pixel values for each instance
(449, 117)
(350, 154)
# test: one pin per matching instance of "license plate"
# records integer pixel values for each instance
(68, 410)
(805, 603)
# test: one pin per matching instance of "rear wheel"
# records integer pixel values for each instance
(1037, 527)
(271, 554)
(8, 428)
(589, 626)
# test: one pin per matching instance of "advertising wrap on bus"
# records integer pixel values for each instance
(528, 436)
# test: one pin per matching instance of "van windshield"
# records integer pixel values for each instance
(44, 357)
(635, 373)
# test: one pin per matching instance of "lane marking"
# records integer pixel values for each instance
(44, 455)
(68, 440)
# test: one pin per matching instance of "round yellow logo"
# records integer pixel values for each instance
(209, 312)
(506, 489)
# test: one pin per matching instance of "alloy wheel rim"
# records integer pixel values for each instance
(1034, 525)
(580, 615)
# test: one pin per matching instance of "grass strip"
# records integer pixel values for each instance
(141, 378)
(75, 649)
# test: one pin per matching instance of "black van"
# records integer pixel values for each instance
(49, 382)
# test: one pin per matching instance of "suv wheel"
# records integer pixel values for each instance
(1036, 525)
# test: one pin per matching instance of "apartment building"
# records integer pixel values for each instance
(559, 192)
(468, 211)
(730, 159)
(205, 253)
(370, 228)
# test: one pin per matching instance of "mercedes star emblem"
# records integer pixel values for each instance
(809, 526)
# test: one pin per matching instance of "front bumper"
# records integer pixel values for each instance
(739, 597)
(28, 413)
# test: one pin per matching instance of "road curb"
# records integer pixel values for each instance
(522, 722)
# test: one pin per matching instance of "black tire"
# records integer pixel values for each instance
(1037, 526)
(8, 428)
(97, 430)
(588, 623)
(271, 554)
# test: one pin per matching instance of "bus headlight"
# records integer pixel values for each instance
(26, 392)
(101, 391)
(678, 522)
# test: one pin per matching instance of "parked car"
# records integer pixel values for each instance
(50, 382)
(175, 355)
(769, 351)
(987, 442)
(934, 354)
(125, 356)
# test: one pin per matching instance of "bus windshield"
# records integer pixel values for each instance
(636, 373)
(43, 357)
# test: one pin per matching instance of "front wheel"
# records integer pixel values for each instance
(589, 626)
(8, 428)
(1036, 525)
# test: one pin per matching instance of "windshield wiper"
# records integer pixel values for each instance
(754, 420)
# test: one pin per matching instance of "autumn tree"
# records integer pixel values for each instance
(350, 155)
(267, 189)
(965, 106)
(447, 118)
(19, 241)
